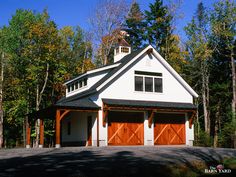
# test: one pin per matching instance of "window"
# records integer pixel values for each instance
(76, 85)
(85, 82)
(138, 83)
(80, 84)
(158, 84)
(68, 128)
(124, 50)
(117, 50)
(72, 87)
(148, 82)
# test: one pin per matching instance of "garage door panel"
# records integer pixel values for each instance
(125, 128)
(169, 129)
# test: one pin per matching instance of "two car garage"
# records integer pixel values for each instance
(127, 128)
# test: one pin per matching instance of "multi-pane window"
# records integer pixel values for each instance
(158, 84)
(138, 83)
(85, 81)
(124, 50)
(80, 84)
(148, 84)
(117, 50)
(148, 81)
(72, 87)
(77, 84)
(68, 87)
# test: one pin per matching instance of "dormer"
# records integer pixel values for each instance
(122, 49)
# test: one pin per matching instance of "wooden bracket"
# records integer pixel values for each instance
(150, 117)
(191, 119)
(104, 119)
(63, 114)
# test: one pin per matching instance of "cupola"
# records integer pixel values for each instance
(122, 49)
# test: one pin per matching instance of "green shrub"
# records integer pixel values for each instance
(203, 139)
(226, 135)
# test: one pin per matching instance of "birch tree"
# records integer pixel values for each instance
(1, 97)
(108, 18)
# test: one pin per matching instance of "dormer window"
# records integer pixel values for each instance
(77, 85)
(117, 50)
(80, 84)
(68, 88)
(124, 50)
(85, 81)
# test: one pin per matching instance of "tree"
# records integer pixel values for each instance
(159, 32)
(2, 63)
(109, 17)
(134, 26)
(200, 53)
(158, 26)
(223, 24)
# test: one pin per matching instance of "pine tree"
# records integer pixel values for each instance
(158, 26)
(134, 25)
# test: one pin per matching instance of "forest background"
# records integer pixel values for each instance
(36, 57)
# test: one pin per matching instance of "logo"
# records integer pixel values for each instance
(217, 169)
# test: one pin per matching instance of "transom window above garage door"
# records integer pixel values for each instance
(148, 81)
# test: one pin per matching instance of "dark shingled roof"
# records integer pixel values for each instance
(158, 104)
(50, 112)
(80, 103)
(92, 90)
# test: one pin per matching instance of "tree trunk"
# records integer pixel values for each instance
(37, 122)
(205, 97)
(198, 124)
(1, 101)
(216, 127)
(85, 56)
(234, 93)
(105, 60)
(38, 101)
(233, 83)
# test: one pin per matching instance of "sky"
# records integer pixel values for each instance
(77, 12)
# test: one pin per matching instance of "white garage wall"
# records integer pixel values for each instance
(102, 130)
(94, 129)
(78, 127)
(148, 132)
(189, 132)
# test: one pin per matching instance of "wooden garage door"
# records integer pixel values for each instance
(125, 128)
(169, 129)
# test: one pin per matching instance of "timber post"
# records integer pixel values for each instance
(58, 125)
(28, 133)
(41, 143)
(98, 129)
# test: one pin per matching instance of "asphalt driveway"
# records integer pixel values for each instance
(112, 161)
